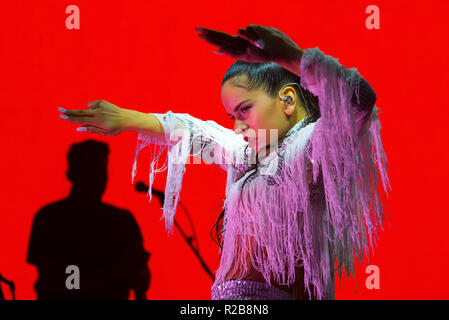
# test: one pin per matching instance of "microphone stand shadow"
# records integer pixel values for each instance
(11, 285)
(142, 187)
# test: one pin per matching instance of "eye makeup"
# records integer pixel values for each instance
(246, 108)
(242, 111)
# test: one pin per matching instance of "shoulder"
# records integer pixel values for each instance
(49, 210)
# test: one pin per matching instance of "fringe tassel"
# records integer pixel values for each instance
(185, 136)
(346, 162)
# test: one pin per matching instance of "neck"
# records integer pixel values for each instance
(299, 114)
(82, 194)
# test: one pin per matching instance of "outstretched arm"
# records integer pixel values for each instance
(105, 118)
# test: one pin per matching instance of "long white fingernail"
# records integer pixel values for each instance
(62, 109)
(81, 129)
(63, 116)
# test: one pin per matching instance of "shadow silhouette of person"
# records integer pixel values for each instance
(84, 248)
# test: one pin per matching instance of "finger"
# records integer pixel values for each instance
(233, 49)
(228, 53)
(244, 34)
(78, 112)
(79, 120)
(199, 29)
(256, 37)
(233, 52)
(217, 36)
(253, 28)
(92, 103)
(215, 41)
(92, 129)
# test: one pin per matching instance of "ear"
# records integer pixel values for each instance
(288, 108)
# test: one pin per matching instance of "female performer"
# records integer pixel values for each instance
(302, 164)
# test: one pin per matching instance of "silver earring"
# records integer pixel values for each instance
(288, 100)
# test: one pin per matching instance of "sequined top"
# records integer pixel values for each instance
(247, 290)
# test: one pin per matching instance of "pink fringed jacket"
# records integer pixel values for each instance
(312, 204)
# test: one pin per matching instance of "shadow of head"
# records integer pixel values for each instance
(87, 167)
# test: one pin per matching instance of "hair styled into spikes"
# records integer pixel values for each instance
(270, 77)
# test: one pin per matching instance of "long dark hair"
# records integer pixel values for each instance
(270, 77)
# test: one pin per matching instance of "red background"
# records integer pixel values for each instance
(146, 55)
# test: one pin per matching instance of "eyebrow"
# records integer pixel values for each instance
(239, 105)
